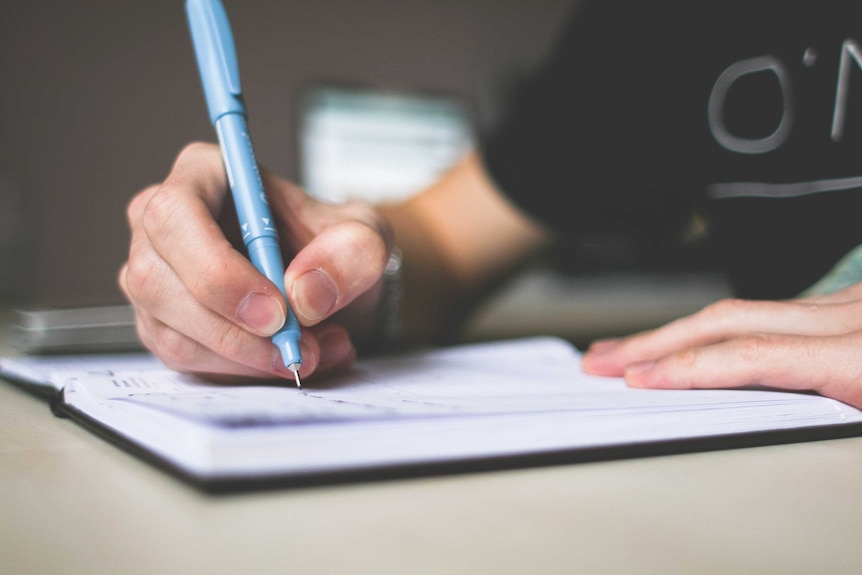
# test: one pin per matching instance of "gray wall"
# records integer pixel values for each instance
(98, 96)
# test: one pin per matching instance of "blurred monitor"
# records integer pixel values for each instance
(378, 145)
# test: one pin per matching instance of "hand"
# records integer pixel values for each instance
(812, 343)
(200, 304)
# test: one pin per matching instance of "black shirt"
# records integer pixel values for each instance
(749, 112)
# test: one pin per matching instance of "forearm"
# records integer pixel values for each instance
(457, 238)
(430, 293)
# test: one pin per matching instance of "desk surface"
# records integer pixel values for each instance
(72, 503)
(583, 307)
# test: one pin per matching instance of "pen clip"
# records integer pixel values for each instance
(216, 56)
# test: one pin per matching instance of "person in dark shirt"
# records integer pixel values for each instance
(745, 117)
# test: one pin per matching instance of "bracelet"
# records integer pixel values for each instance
(387, 320)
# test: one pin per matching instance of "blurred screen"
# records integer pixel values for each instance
(378, 145)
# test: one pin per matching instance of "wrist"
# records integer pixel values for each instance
(387, 320)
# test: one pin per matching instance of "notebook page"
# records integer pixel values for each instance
(473, 401)
(54, 370)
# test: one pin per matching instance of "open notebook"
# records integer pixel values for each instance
(479, 406)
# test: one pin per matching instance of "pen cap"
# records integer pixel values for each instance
(216, 57)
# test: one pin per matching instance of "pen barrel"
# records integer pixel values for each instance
(264, 253)
(255, 218)
(216, 56)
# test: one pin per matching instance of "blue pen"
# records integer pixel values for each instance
(217, 63)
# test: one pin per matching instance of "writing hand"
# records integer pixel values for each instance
(812, 343)
(200, 304)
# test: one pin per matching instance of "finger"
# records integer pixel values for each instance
(829, 365)
(341, 250)
(178, 220)
(188, 337)
(191, 338)
(721, 321)
(184, 354)
(326, 348)
(175, 313)
(344, 260)
(336, 350)
(174, 305)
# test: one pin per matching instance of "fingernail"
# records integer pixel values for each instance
(261, 313)
(603, 345)
(314, 295)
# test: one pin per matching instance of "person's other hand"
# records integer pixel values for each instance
(200, 304)
(812, 343)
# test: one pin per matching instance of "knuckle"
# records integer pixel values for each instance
(724, 315)
(121, 279)
(195, 149)
(752, 348)
(366, 214)
(687, 359)
(230, 342)
(214, 275)
(136, 206)
(762, 357)
(157, 214)
(174, 349)
(728, 307)
(368, 244)
(139, 275)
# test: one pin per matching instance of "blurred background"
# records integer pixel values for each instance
(367, 98)
(99, 96)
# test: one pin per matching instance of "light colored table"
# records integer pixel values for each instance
(73, 503)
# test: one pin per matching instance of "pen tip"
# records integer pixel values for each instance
(296, 377)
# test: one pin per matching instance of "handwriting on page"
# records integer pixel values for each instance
(444, 384)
